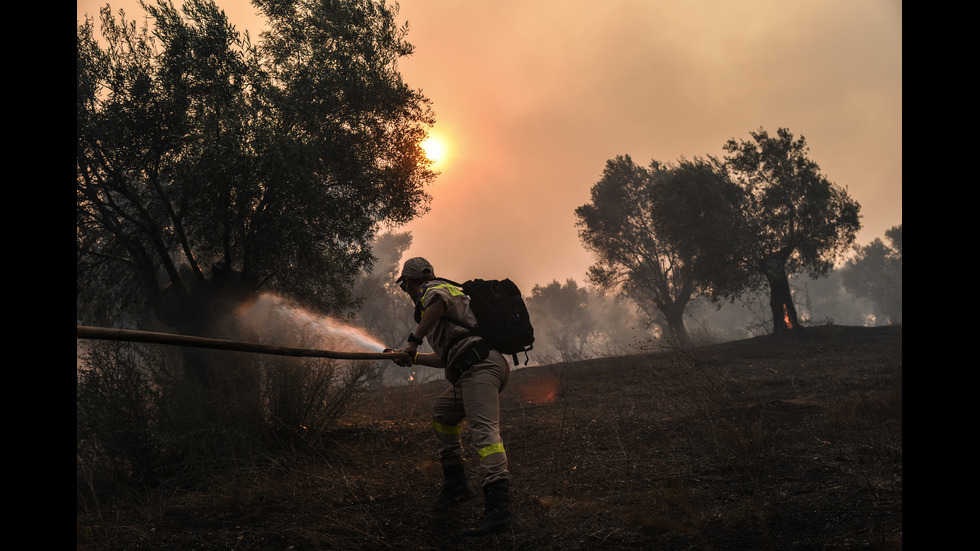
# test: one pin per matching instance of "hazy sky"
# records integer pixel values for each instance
(532, 97)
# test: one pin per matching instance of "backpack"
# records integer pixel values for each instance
(502, 318)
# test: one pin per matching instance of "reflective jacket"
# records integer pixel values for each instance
(453, 343)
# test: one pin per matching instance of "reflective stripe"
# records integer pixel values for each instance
(453, 290)
(447, 429)
(491, 449)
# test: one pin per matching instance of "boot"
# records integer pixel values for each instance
(455, 489)
(497, 516)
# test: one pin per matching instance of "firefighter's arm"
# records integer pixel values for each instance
(428, 359)
(430, 317)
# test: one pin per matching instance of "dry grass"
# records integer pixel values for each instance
(761, 444)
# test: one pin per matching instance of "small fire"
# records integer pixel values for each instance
(543, 391)
(789, 324)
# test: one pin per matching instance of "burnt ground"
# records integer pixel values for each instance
(766, 443)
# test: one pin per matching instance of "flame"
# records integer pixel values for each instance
(543, 391)
(789, 324)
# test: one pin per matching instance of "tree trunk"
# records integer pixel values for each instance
(784, 318)
(675, 327)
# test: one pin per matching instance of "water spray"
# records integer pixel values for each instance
(272, 319)
(104, 333)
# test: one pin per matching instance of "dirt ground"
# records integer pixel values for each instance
(766, 443)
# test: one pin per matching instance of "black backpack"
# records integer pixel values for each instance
(502, 318)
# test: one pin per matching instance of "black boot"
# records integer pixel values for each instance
(455, 488)
(497, 516)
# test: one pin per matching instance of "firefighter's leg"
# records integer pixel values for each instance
(481, 397)
(447, 419)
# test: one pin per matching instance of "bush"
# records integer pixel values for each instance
(306, 396)
(142, 423)
(117, 407)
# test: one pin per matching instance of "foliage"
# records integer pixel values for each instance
(793, 219)
(208, 167)
(117, 406)
(305, 398)
(561, 316)
(654, 230)
(875, 273)
(697, 211)
(139, 422)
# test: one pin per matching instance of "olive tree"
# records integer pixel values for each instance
(656, 231)
(209, 168)
(793, 219)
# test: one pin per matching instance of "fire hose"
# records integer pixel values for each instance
(104, 333)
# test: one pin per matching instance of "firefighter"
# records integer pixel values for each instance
(477, 373)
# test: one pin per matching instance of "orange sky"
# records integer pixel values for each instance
(532, 97)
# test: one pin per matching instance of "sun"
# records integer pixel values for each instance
(435, 150)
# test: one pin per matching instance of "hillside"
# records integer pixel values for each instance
(766, 443)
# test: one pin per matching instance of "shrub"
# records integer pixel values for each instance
(142, 423)
(117, 407)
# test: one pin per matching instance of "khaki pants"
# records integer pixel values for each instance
(475, 397)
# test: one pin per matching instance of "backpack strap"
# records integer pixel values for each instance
(470, 331)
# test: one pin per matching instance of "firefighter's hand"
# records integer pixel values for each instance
(401, 361)
(412, 350)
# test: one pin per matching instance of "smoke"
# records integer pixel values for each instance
(274, 321)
